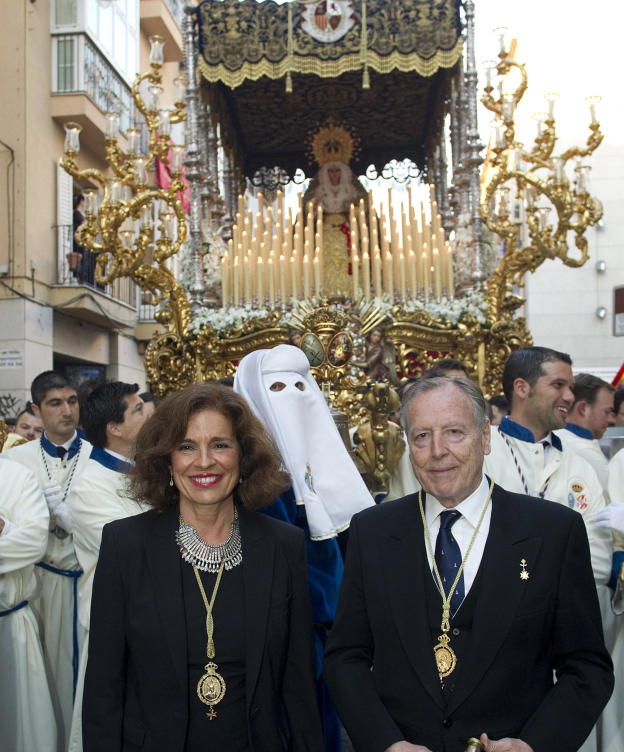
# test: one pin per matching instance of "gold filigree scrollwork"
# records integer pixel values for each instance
(501, 340)
(537, 182)
(379, 444)
(170, 363)
(128, 204)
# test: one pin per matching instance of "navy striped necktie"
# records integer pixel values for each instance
(448, 558)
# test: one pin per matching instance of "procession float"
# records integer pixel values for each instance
(326, 188)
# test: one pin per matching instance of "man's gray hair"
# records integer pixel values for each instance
(469, 388)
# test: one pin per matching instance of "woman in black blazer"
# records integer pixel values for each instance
(201, 631)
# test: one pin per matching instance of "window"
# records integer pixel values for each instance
(65, 68)
(114, 29)
(66, 13)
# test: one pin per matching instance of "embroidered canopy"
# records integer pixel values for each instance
(274, 72)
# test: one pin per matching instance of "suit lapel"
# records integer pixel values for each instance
(405, 570)
(258, 565)
(500, 593)
(164, 562)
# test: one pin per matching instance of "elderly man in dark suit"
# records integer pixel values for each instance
(461, 603)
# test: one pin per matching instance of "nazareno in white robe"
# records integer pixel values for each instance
(27, 719)
(56, 606)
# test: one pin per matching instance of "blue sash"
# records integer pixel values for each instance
(15, 608)
(74, 574)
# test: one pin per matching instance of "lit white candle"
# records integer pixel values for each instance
(413, 273)
(366, 284)
(306, 277)
(260, 282)
(377, 271)
(235, 275)
(437, 273)
(402, 274)
(389, 276)
(319, 253)
(271, 281)
(355, 274)
(294, 287)
(317, 275)
(224, 280)
(353, 236)
(450, 282)
(246, 279)
(282, 277)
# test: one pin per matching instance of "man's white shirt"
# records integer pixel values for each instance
(463, 528)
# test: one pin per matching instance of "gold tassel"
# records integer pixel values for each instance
(365, 78)
(288, 83)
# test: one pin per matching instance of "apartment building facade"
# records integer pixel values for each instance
(62, 61)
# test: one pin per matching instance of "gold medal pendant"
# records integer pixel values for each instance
(211, 688)
(445, 657)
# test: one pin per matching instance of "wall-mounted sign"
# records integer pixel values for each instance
(13, 359)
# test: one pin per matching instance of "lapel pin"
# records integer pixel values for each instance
(524, 574)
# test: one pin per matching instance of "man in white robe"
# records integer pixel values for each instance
(112, 416)
(26, 714)
(57, 460)
(587, 421)
(527, 456)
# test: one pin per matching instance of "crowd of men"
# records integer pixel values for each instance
(538, 585)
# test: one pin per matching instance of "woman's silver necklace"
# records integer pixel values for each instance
(205, 557)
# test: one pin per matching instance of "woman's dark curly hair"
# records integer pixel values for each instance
(261, 478)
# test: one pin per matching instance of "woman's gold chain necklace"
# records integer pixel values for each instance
(211, 686)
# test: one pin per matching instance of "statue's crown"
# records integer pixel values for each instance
(332, 142)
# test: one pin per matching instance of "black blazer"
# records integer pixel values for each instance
(522, 631)
(136, 684)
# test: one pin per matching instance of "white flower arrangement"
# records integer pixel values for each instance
(453, 309)
(225, 320)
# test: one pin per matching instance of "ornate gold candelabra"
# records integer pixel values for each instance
(540, 181)
(133, 225)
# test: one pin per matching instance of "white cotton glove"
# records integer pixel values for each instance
(612, 516)
(53, 495)
(63, 518)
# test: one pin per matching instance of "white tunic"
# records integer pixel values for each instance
(97, 498)
(27, 719)
(611, 723)
(56, 605)
(589, 449)
(616, 477)
(519, 464)
(564, 477)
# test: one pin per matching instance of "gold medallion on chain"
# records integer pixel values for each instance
(211, 688)
(445, 657)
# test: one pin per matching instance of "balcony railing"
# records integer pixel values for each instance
(79, 67)
(79, 269)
